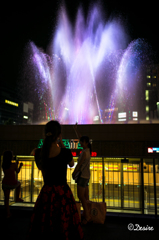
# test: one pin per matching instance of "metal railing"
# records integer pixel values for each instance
(131, 183)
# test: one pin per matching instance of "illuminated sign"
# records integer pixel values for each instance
(112, 167)
(129, 168)
(122, 115)
(93, 154)
(153, 150)
(122, 119)
(135, 114)
(96, 118)
(66, 143)
(11, 103)
(74, 154)
(79, 146)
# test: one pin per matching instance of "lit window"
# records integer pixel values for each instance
(122, 115)
(148, 76)
(147, 95)
(148, 84)
(154, 85)
(147, 118)
(147, 108)
(135, 114)
(11, 103)
(154, 76)
(96, 118)
(25, 117)
(121, 119)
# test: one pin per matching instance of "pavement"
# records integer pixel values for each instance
(115, 227)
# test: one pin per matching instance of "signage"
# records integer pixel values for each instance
(66, 143)
(135, 114)
(122, 115)
(153, 150)
(112, 167)
(129, 168)
(74, 154)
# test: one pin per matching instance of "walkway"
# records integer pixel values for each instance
(114, 228)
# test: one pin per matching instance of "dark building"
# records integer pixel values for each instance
(152, 92)
(13, 111)
(11, 108)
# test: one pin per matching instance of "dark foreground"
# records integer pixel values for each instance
(115, 227)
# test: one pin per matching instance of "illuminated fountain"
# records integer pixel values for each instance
(91, 72)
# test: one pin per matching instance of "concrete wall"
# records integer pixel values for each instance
(108, 140)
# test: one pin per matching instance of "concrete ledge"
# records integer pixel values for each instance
(107, 132)
(27, 212)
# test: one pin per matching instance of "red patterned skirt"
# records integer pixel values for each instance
(55, 215)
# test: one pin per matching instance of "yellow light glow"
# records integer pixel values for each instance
(11, 103)
(147, 108)
(148, 76)
(147, 95)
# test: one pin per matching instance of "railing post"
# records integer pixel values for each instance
(103, 179)
(154, 179)
(121, 179)
(15, 191)
(142, 187)
(32, 183)
(1, 169)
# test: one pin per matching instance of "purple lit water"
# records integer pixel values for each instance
(92, 72)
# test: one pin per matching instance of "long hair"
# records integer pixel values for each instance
(52, 131)
(7, 158)
(86, 139)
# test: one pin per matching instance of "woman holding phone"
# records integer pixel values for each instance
(55, 214)
(83, 167)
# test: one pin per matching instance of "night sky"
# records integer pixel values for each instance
(24, 21)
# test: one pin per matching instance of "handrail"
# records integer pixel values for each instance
(32, 183)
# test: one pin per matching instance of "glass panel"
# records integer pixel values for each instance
(131, 185)
(125, 185)
(37, 182)
(95, 183)
(70, 180)
(24, 176)
(149, 207)
(1, 178)
(112, 183)
(157, 183)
